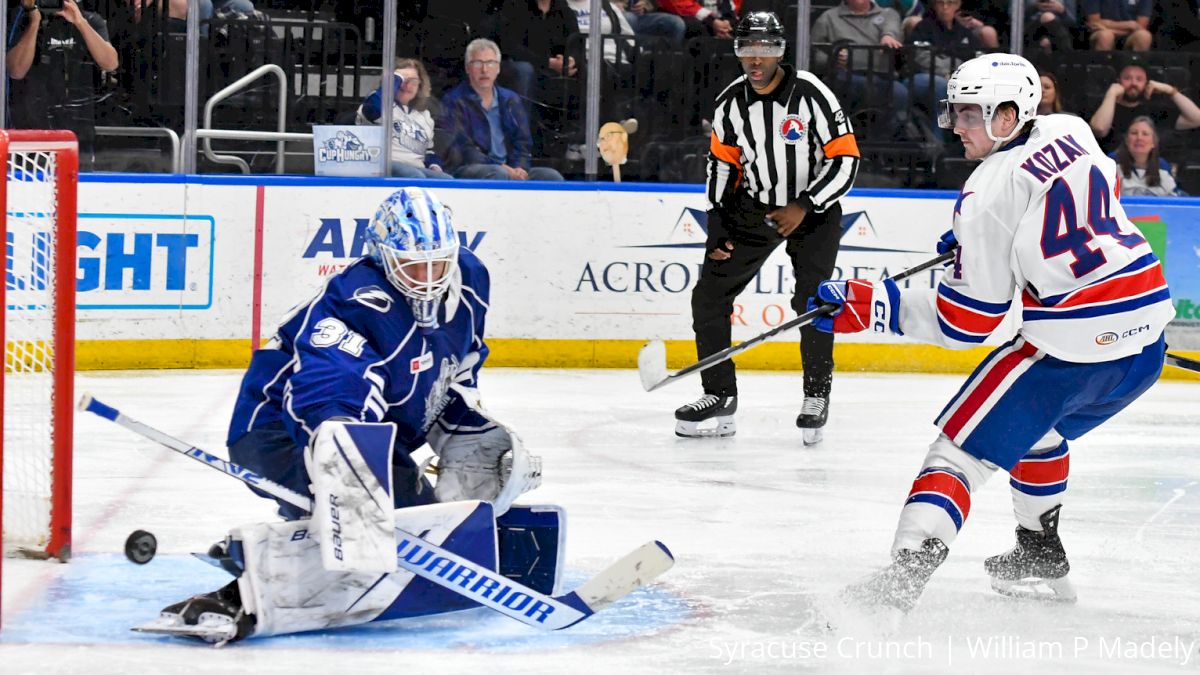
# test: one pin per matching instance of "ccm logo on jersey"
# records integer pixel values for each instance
(421, 364)
(880, 324)
(1110, 337)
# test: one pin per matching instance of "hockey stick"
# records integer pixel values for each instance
(652, 359)
(444, 568)
(1183, 362)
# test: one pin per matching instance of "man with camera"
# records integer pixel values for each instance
(54, 51)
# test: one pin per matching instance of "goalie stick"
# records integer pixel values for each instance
(489, 588)
(652, 359)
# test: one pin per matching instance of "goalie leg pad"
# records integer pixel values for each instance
(350, 465)
(532, 540)
(287, 589)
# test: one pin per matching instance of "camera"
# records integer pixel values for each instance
(50, 6)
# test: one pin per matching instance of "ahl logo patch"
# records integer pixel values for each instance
(374, 297)
(421, 363)
(1105, 339)
(791, 130)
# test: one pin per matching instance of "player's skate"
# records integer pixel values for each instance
(689, 418)
(813, 414)
(215, 617)
(1036, 568)
(899, 585)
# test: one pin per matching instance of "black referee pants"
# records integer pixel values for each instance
(812, 249)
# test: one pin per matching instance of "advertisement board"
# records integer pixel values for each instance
(214, 262)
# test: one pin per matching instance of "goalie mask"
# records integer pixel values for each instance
(413, 240)
(987, 81)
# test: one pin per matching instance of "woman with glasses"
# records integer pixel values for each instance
(413, 155)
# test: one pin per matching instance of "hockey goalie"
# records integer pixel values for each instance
(383, 361)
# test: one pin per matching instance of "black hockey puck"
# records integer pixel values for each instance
(140, 547)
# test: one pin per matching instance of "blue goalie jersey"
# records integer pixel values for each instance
(355, 352)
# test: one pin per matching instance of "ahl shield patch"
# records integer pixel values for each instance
(791, 129)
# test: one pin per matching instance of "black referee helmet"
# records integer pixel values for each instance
(759, 34)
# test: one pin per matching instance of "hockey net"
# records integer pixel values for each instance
(39, 200)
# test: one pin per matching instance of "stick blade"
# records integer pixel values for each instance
(638, 568)
(652, 364)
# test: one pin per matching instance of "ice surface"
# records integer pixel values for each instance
(764, 530)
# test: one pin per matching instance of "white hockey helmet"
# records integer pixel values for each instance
(411, 233)
(988, 81)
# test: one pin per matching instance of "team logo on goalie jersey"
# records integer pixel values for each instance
(374, 297)
(791, 130)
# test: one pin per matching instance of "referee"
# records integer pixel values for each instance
(782, 154)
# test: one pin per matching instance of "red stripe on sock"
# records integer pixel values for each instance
(1041, 473)
(944, 484)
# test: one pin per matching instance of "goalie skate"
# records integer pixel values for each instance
(217, 629)
(215, 617)
(709, 416)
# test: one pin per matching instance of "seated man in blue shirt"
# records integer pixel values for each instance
(487, 124)
(1113, 23)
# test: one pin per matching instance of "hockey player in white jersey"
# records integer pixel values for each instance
(1037, 223)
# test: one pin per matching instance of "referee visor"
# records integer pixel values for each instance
(770, 47)
(965, 115)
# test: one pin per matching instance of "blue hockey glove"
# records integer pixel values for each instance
(862, 305)
(948, 242)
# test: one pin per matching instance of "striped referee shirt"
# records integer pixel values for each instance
(791, 145)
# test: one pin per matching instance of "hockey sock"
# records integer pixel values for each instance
(940, 499)
(1038, 483)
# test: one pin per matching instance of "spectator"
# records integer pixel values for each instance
(412, 149)
(535, 35)
(618, 55)
(1143, 171)
(612, 22)
(704, 17)
(862, 22)
(1049, 24)
(227, 6)
(982, 17)
(911, 12)
(1051, 103)
(55, 63)
(489, 133)
(941, 44)
(1110, 22)
(646, 20)
(1134, 95)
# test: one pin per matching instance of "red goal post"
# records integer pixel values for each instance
(38, 299)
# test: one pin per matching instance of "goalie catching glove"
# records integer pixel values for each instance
(860, 305)
(486, 462)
